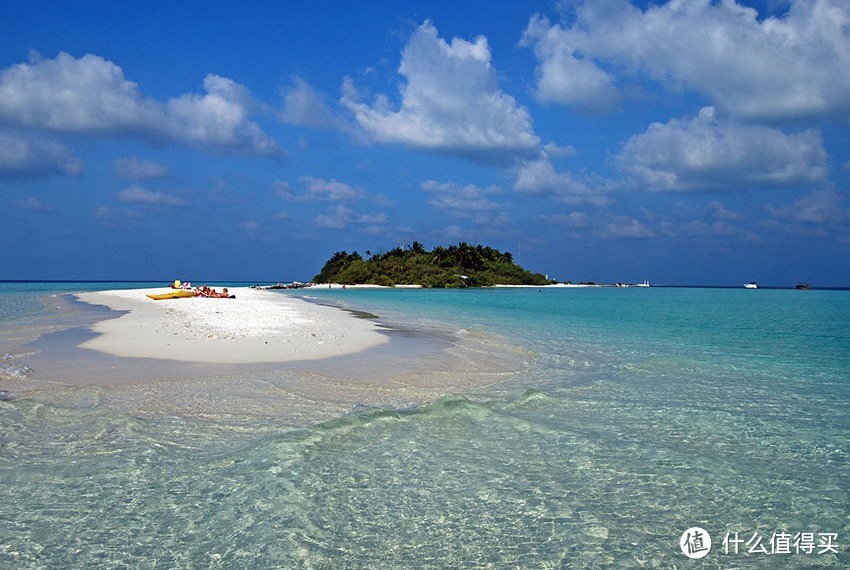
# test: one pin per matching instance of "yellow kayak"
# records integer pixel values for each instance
(176, 294)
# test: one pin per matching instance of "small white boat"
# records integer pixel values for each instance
(751, 285)
(644, 284)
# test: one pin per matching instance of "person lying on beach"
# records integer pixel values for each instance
(205, 291)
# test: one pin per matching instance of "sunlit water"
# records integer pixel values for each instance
(641, 413)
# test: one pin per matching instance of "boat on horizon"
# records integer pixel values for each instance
(751, 285)
(803, 286)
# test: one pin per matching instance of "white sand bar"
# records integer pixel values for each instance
(255, 327)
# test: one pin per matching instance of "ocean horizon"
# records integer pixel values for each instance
(638, 428)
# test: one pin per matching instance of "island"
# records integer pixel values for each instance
(461, 265)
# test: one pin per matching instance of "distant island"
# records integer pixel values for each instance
(461, 265)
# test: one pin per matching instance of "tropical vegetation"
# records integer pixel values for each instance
(461, 265)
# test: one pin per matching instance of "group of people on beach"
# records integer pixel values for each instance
(204, 291)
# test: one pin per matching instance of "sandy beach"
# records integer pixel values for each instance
(264, 354)
(255, 327)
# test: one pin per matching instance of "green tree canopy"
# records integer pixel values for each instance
(461, 265)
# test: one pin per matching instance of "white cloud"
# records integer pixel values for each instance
(219, 119)
(91, 96)
(772, 68)
(31, 204)
(718, 211)
(539, 177)
(573, 220)
(553, 150)
(302, 105)
(472, 204)
(625, 227)
(131, 168)
(563, 76)
(699, 228)
(23, 156)
(88, 95)
(601, 225)
(823, 206)
(450, 103)
(713, 220)
(283, 189)
(682, 224)
(461, 201)
(330, 190)
(340, 216)
(135, 194)
(707, 153)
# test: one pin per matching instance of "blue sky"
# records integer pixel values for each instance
(685, 142)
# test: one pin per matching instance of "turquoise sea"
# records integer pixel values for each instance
(636, 415)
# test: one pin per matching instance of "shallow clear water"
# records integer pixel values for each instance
(642, 413)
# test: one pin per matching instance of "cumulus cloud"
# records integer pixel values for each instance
(470, 203)
(601, 225)
(135, 194)
(24, 156)
(131, 168)
(718, 211)
(219, 119)
(91, 96)
(539, 177)
(711, 223)
(302, 105)
(340, 216)
(625, 227)
(88, 95)
(822, 206)
(31, 204)
(450, 103)
(330, 190)
(283, 189)
(573, 220)
(459, 200)
(788, 67)
(707, 153)
(563, 75)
